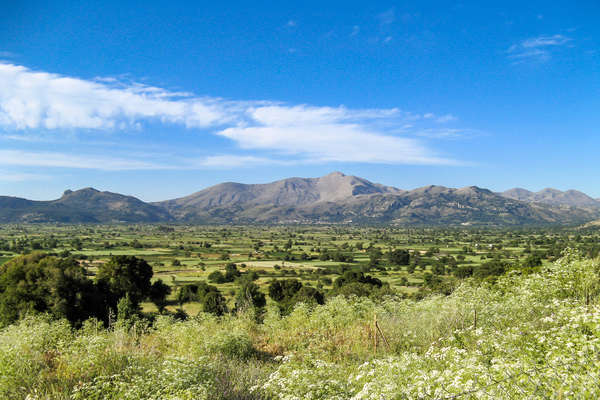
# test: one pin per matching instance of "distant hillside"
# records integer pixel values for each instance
(340, 198)
(265, 201)
(551, 196)
(82, 206)
(333, 198)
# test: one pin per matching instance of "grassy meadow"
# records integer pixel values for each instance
(531, 330)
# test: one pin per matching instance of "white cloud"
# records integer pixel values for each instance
(323, 134)
(32, 100)
(537, 48)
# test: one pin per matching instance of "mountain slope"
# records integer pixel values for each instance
(292, 192)
(340, 198)
(333, 198)
(86, 205)
(551, 196)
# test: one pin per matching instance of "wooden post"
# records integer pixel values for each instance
(387, 345)
(375, 334)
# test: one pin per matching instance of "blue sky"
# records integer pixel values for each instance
(159, 99)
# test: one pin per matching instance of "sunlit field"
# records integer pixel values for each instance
(460, 314)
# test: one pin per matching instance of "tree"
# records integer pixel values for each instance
(209, 296)
(490, 268)
(216, 277)
(128, 312)
(158, 294)
(463, 271)
(231, 272)
(279, 290)
(358, 284)
(41, 283)
(213, 302)
(375, 255)
(356, 277)
(308, 294)
(399, 257)
(532, 261)
(126, 275)
(438, 268)
(288, 292)
(249, 295)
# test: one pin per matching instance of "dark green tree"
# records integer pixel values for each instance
(398, 257)
(126, 275)
(158, 294)
(249, 295)
(47, 284)
(213, 302)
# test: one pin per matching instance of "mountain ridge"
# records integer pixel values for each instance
(552, 196)
(332, 198)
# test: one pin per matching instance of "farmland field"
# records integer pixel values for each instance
(181, 254)
(384, 313)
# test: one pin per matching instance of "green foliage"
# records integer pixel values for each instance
(128, 312)
(398, 257)
(288, 292)
(279, 290)
(216, 277)
(126, 275)
(213, 302)
(158, 294)
(208, 296)
(39, 283)
(375, 255)
(529, 335)
(248, 295)
(491, 269)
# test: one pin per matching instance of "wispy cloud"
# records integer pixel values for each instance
(66, 160)
(449, 133)
(446, 118)
(233, 161)
(355, 30)
(33, 101)
(8, 176)
(440, 118)
(321, 134)
(7, 54)
(387, 17)
(537, 49)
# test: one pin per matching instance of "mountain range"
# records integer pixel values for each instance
(333, 198)
(551, 196)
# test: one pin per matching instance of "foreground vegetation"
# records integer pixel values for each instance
(533, 335)
(528, 330)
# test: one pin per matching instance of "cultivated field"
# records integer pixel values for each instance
(319, 312)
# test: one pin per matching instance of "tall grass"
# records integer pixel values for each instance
(526, 336)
